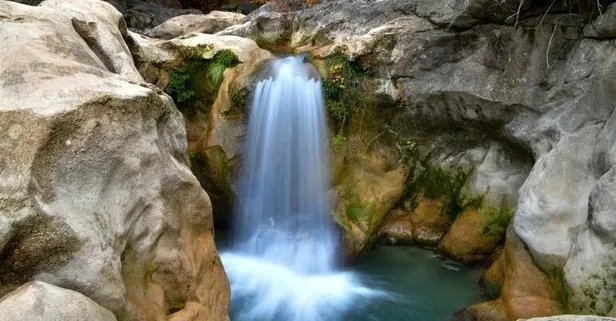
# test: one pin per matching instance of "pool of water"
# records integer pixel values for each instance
(422, 286)
(416, 284)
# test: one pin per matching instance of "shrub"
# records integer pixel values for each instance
(198, 77)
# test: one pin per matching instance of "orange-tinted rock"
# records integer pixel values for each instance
(367, 189)
(485, 311)
(467, 240)
(526, 291)
(429, 222)
(398, 227)
(424, 225)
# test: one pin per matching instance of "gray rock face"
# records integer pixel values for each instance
(210, 23)
(95, 192)
(144, 15)
(39, 301)
(604, 26)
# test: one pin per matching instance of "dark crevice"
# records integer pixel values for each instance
(88, 31)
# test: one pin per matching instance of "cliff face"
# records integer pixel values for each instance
(486, 129)
(449, 118)
(95, 191)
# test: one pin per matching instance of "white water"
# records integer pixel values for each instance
(282, 263)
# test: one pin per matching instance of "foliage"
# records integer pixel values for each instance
(345, 89)
(199, 78)
(221, 61)
(339, 141)
(179, 86)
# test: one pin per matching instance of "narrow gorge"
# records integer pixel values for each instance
(351, 160)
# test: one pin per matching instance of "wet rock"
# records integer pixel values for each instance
(367, 189)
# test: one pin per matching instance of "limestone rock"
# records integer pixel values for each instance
(366, 191)
(604, 26)
(144, 15)
(424, 225)
(592, 287)
(210, 23)
(40, 301)
(95, 187)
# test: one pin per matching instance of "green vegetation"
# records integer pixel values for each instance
(198, 78)
(339, 141)
(347, 91)
(238, 109)
(436, 183)
(364, 214)
(179, 86)
(496, 220)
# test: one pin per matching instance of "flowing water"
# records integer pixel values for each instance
(281, 263)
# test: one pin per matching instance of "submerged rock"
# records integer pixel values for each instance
(96, 194)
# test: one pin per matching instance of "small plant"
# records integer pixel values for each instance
(439, 184)
(345, 89)
(221, 61)
(339, 141)
(179, 86)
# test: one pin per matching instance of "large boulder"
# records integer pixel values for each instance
(97, 196)
(210, 23)
(211, 77)
(39, 301)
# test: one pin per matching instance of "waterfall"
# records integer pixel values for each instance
(282, 262)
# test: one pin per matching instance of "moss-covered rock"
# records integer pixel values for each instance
(367, 189)
(210, 77)
(211, 167)
(424, 224)
(476, 233)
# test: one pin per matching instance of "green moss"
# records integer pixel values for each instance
(364, 214)
(496, 220)
(436, 183)
(339, 142)
(198, 78)
(346, 88)
(238, 110)
(179, 86)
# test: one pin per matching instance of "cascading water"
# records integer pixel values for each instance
(284, 243)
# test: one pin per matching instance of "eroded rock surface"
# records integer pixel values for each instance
(210, 23)
(450, 82)
(40, 301)
(95, 191)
